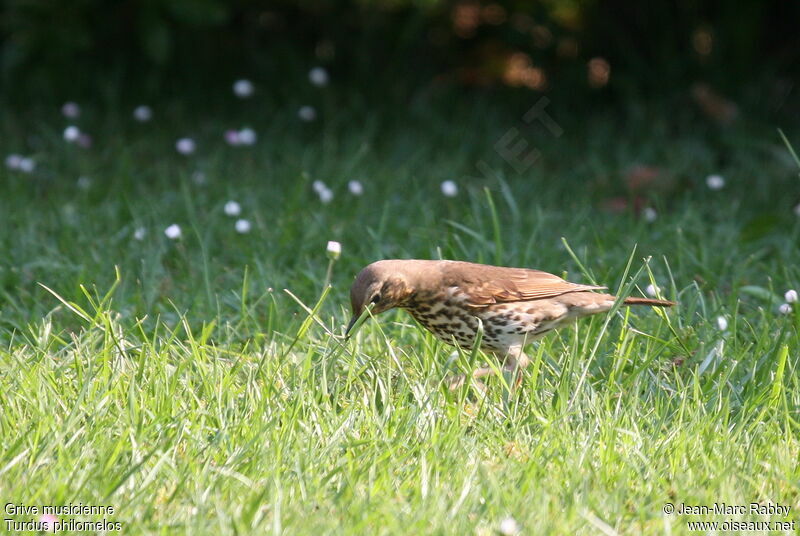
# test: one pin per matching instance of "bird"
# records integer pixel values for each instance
(453, 299)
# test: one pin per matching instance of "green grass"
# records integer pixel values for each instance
(180, 383)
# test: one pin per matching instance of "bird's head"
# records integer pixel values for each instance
(382, 285)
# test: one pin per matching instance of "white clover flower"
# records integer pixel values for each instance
(27, 165)
(326, 196)
(243, 226)
(449, 188)
(355, 187)
(790, 296)
(143, 113)
(319, 186)
(334, 250)
(173, 232)
(71, 110)
(247, 136)
(243, 88)
(318, 76)
(785, 309)
(139, 233)
(649, 214)
(48, 522)
(307, 113)
(13, 161)
(72, 134)
(232, 208)
(797, 210)
(185, 146)
(508, 527)
(715, 182)
(722, 323)
(84, 183)
(652, 290)
(232, 138)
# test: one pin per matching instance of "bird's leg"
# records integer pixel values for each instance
(514, 361)
(458, 381)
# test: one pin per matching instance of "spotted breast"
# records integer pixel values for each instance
(451, 318)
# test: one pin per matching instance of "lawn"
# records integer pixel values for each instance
(200, 384)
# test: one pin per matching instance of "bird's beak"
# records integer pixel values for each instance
(352, 323)
(365, 312)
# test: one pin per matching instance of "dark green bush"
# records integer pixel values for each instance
(57, 46)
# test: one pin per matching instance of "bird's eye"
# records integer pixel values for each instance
(375, 299)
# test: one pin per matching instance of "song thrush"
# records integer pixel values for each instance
(452, 298)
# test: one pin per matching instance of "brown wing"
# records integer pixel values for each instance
(488, 285)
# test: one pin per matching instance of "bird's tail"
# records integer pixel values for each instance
(633, 300)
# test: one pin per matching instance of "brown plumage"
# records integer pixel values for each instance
(452, 298)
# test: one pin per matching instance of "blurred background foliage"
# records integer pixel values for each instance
(616, 49)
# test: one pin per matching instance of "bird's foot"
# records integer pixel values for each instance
(456, 382)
